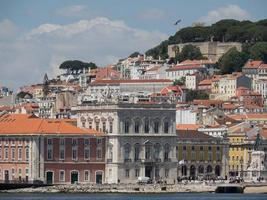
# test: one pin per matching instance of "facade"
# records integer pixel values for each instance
(51, 151)
(215, 131)
(141, 139)
(201, 155)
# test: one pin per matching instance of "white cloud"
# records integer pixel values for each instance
(225, 12)
(25, 58)
(152, 14)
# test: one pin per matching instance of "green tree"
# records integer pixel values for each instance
(76, 65)
(180, 81)
(195, 94)
(232, 61)
(135, 54)
(189, 52)
(259, 51)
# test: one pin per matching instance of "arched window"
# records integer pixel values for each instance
(136, 125)
(127, 150)
(157, 151)
(209, 169)
(83, 120)
(166, 126)
(148, 151)
(218, 170)
(166, 152)
(126, 126)
(200, 169)
(184, 170)
(156, 126)
(146, 125)
(136, 152)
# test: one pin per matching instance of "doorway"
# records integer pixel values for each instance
(49, 178)
(98, 177)
(74, 176)
(148, 171)
(6, 176)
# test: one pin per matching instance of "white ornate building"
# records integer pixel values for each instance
(141, 139)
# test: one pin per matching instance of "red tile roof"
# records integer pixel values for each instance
(186, 67)
(187, 126)
(131, 81)
(253, 64)
(21, 124)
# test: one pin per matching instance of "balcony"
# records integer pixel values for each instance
(158, 160)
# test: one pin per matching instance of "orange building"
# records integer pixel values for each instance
(52, 151)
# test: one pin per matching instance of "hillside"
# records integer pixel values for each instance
(228, 30)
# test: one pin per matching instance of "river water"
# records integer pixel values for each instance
(178, 196)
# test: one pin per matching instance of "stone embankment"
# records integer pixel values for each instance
(120, 188)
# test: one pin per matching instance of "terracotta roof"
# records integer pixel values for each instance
(260, 116)
(205, 82)
(263, 133)
(263, 66)
(171, 89)
(22, 124)
(131, 81)
(253, 64)
(185, 67)
(187, 126)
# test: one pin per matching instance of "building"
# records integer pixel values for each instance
(228, 84)
(201, 156)
(51, 151)
(141, 139)
(214, 131)
(191, 81)
(212, 50)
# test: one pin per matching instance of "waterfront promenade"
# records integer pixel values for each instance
(136, 188)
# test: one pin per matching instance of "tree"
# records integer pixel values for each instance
(189, 52)
(180, 81)
(259, 51)
(135, 54)
(195, 94)
(76, 65)
(232, 61)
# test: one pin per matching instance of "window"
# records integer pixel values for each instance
(86, 176)
(137, 172)
(166, 151)
(201, 156)
(62, 153)
(61, 175)
(166, 127)
(13, 171)
(6, 153)
(157, 172)
(49, 153)
(104, 126)
(0, 153)
(218, 156)
(62, 141)
(27, 154)
(20, 171)
(193, 155)
(50, 141)
(146, 126)
(99, 141)
(136, 126)
(209, 156)
(27, 171)
(184, 148)
(156, 126)
(74, 142)
(20, 154)
(209, 148)
(13, 153)
(127, 150)
(218, 148)
(74, 153)
(201, 148)
(136, 152)
(126, 126)
(86, 142)
(87, 153)
(99, 153)
(127, 173)
(110, 127)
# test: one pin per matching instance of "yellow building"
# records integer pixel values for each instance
(201, 155)
(240, 149)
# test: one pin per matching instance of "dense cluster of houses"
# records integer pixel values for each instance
(133, 119)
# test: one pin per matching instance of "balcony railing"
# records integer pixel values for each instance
(127, 160)
(157, 159)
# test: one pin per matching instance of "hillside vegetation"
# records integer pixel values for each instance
(228, 30)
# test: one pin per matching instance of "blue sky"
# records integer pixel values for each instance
(36, 36)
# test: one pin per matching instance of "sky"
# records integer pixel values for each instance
(36, 36)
